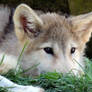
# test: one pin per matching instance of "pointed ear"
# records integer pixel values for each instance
(82, 26)
(26, 22)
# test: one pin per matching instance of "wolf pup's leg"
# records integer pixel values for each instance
(4, 82)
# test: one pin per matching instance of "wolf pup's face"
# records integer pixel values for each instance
(55, 42)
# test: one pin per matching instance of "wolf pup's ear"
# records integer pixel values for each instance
(82, 26)
(26, 22)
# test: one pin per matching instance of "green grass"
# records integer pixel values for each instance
(56, 82)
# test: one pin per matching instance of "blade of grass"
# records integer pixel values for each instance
(85, 72)
(30, 68)
(2, 59)
(20, 56)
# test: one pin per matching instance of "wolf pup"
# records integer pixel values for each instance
(55, 43)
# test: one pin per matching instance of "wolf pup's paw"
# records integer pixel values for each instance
(27, 89)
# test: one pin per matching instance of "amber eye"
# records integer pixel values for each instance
(73, 50)
(49, 50)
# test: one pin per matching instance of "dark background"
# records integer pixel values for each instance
(68, 7)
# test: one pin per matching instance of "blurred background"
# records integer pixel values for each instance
(67, 7)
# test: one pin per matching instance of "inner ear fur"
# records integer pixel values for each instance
(82, 26)
(26, 22)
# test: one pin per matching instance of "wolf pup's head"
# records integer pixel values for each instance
(56, 42)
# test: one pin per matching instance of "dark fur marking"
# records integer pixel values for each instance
(24, 23)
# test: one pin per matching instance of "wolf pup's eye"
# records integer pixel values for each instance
(73, 50)
(49, 50)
